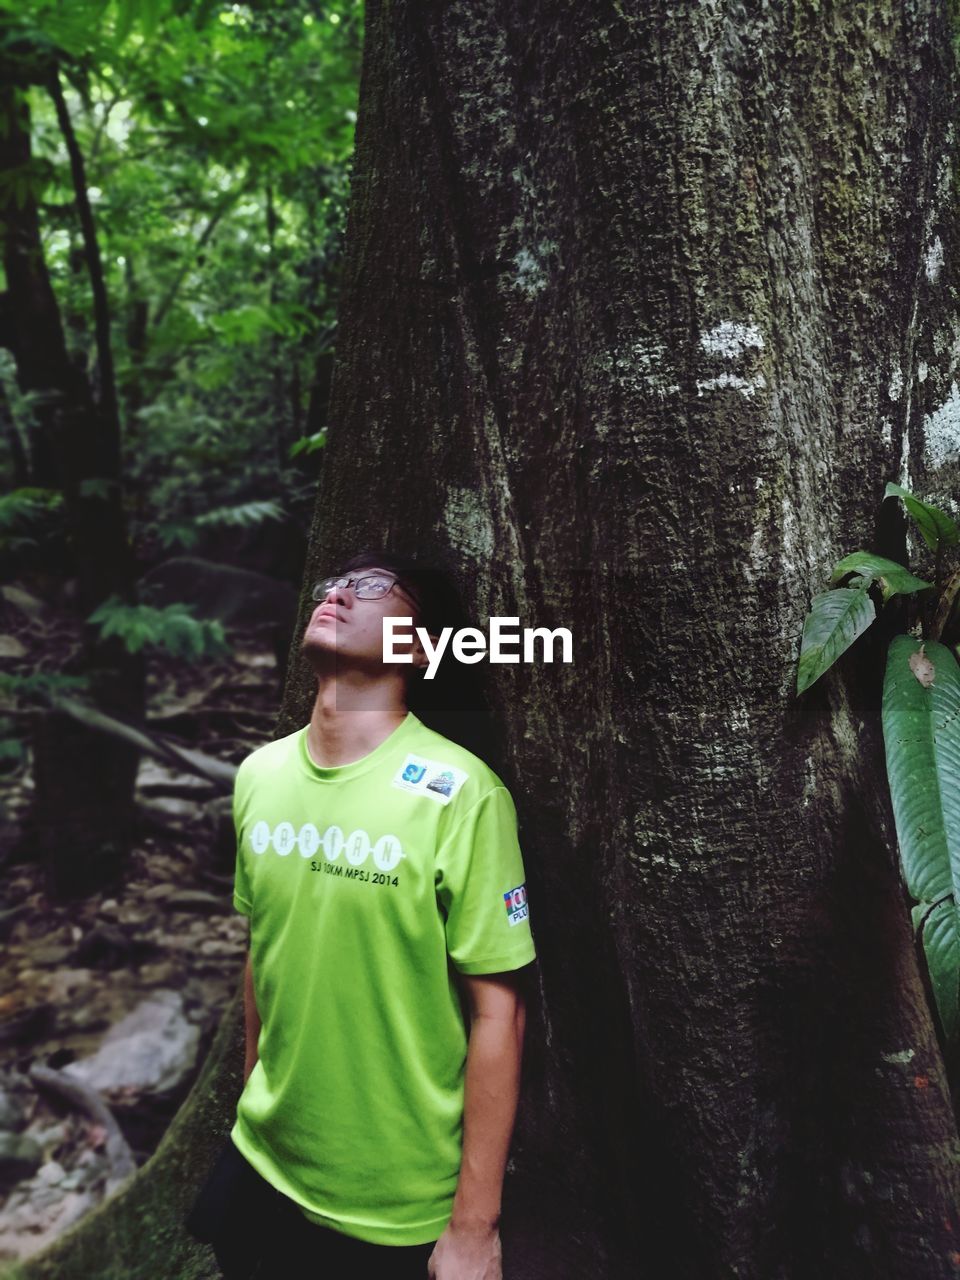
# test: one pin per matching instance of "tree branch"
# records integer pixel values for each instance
(168, 299)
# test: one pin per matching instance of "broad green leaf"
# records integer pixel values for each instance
(893, 578)
(835, 620)
(941, 946)
(921, 733)
(936, 528)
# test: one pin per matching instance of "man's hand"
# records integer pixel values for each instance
(467, 1253)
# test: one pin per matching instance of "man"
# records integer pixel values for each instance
(379, 864)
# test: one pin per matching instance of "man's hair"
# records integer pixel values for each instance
(430, 585)
(454, 702)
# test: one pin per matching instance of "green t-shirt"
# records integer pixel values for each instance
(367, 886)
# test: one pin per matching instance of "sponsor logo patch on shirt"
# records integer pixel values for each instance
(431, 778)
(516, 903)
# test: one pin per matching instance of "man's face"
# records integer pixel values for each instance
(352, 629)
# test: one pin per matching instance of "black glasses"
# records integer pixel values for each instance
(370, 586)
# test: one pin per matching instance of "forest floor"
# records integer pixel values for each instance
(166, 940)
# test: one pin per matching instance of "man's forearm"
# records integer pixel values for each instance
(251, 1022)
(491, 1090)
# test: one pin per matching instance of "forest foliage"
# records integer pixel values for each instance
(216, 142)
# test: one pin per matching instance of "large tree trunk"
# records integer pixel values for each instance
(636, 312)
(642, 307)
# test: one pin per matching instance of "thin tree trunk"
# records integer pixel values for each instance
(16, 444)
(109, 432)
(279, 399)
(83, 814)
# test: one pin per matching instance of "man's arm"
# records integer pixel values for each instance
(251, 1022)
(469, 1249)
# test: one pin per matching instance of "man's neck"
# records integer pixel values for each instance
(343, 730)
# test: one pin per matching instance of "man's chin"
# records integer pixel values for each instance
(321, 649)
(318, 649)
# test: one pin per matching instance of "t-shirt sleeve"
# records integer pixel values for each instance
(480, 885)
(242, 892)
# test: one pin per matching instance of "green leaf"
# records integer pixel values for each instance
(36, 687)
(100, 487)
(309, 444)
(941, 946)
(12, 749)
(104, 611)
(893, 578)
(244, 514)
(26, 506)
(921, 733)
(936, 528)
(173, 629)
(835, 620)
(177, 534)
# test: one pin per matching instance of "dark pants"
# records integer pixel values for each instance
(257, 1233)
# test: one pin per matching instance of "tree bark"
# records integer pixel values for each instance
(642, 307)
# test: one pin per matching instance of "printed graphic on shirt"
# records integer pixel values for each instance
(356, 847)
(444, 782)
(431, 778)
(516, 903)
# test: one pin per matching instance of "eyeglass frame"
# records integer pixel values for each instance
(343, 582)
